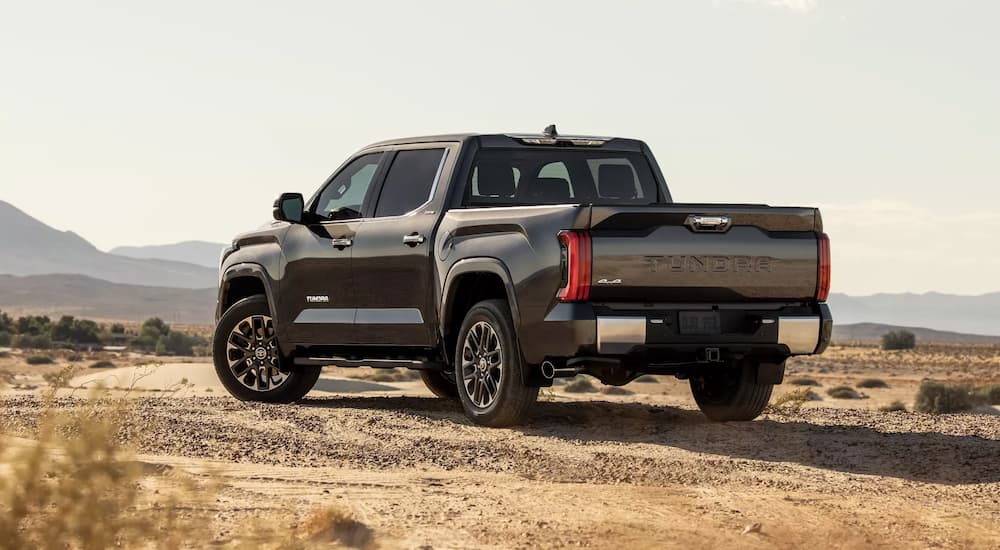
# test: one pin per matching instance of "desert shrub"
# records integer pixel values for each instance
(794, 399)
(938, 398)
(117, 328)
(843, 392)
(895, 406)
(899, 339)
(39, 360)
(79, 331)
(5, 338)
(34, 325)
(74, 358)
(803, 382)
(647, 379)
(580, 385)
(872, 383)
(615, 390)
(6, 323)
(31, 341)
(102, 365)
(989, 394)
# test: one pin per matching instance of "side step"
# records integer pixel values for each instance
(415, 364)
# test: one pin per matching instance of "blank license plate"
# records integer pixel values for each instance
(700, 322)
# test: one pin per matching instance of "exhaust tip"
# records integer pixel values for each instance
(548, 370)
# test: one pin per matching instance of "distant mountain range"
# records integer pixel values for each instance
(83, 296)
(29, 247)
(193, 252)
(874, 332)
(947, 312)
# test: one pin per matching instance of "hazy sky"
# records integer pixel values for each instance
(154, 122)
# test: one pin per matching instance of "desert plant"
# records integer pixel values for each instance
(843, 392)
(580, 385)
(5, 338)
(938, 398)
(34, 325)
(78, 331)
(895, 406)
(989, 394)
(334, 525)
(39, 360)
(871, 383)
(794, 399)
(646, 379)
(899, 340)
(102, 365)
(615, 390)
(803, 382)
(31, 341)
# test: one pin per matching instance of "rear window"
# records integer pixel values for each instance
(527, 177)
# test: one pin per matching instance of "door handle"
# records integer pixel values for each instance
(342, 243)
(413, 239)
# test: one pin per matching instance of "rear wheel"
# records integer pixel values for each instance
(731, 392)
(248, 361)
(488, 368)
(441, 384)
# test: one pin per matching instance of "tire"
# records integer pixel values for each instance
(281, 383)
(440, 384)
(731, 393)
(490, 322)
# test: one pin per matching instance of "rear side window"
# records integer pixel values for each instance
(526, 177)
(410, 181)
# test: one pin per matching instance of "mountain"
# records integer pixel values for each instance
(948, 312)
(193, 252)
(29, 247)
(874, 331)
(83, 296)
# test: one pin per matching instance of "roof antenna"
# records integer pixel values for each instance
(550, 131)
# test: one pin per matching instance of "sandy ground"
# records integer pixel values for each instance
(644, 470)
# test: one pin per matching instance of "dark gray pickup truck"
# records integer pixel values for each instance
(496, 263)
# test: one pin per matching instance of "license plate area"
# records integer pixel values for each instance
(699, 322)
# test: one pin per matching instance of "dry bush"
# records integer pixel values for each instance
(989, 394)
(872, 383)
(843, 392)
(334, 525)
(646, 379)
(102, 365)
(39, 360)
(938, 398)
(615, 390)
(895, 406)
(794, 399)
(803, 382)
(899, 340)
(580, 385)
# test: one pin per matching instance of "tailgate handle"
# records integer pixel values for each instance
(709, 223)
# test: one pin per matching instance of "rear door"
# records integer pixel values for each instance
(392, 266)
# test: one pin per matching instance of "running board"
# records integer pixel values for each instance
(415, 364)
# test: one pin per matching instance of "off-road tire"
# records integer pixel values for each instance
(730, 393)
(299, 379)
(439, 384)
(513, 399)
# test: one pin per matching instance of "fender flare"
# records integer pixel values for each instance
(477, 265)
(247, 269)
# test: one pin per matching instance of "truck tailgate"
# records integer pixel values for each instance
(704, 253)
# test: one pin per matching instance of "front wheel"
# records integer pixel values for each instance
(731, 392)
(488, 369)
(248, 361)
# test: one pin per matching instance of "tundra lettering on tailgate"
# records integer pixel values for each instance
(712, 264)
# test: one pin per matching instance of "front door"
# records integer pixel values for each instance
(392, 264)
(317, 289)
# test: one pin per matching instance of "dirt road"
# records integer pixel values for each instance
(587, 473)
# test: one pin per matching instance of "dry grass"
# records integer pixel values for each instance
(794, 399)
(872, 383)
(895, 406)
(843, 392)
(803, 382)
(580, 385)
(939, 398)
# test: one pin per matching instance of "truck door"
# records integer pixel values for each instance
(392, 265)
(316, 293)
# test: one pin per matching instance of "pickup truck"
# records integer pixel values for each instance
(494, 264)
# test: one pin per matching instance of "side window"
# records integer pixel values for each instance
(343, 198)
(409, 182)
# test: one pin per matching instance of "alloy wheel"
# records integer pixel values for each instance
(252, 353)
(482, 364)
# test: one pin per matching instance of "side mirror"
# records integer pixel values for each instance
(289, 207)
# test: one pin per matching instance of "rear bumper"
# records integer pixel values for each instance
(619, 330)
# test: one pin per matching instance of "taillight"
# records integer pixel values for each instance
(823, 288)
(576, 271)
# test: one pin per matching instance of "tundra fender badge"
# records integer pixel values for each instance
(318, 299)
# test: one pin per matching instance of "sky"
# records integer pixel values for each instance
(137, 123)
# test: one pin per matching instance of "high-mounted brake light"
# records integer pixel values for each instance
(576, 276)
(823, 287)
